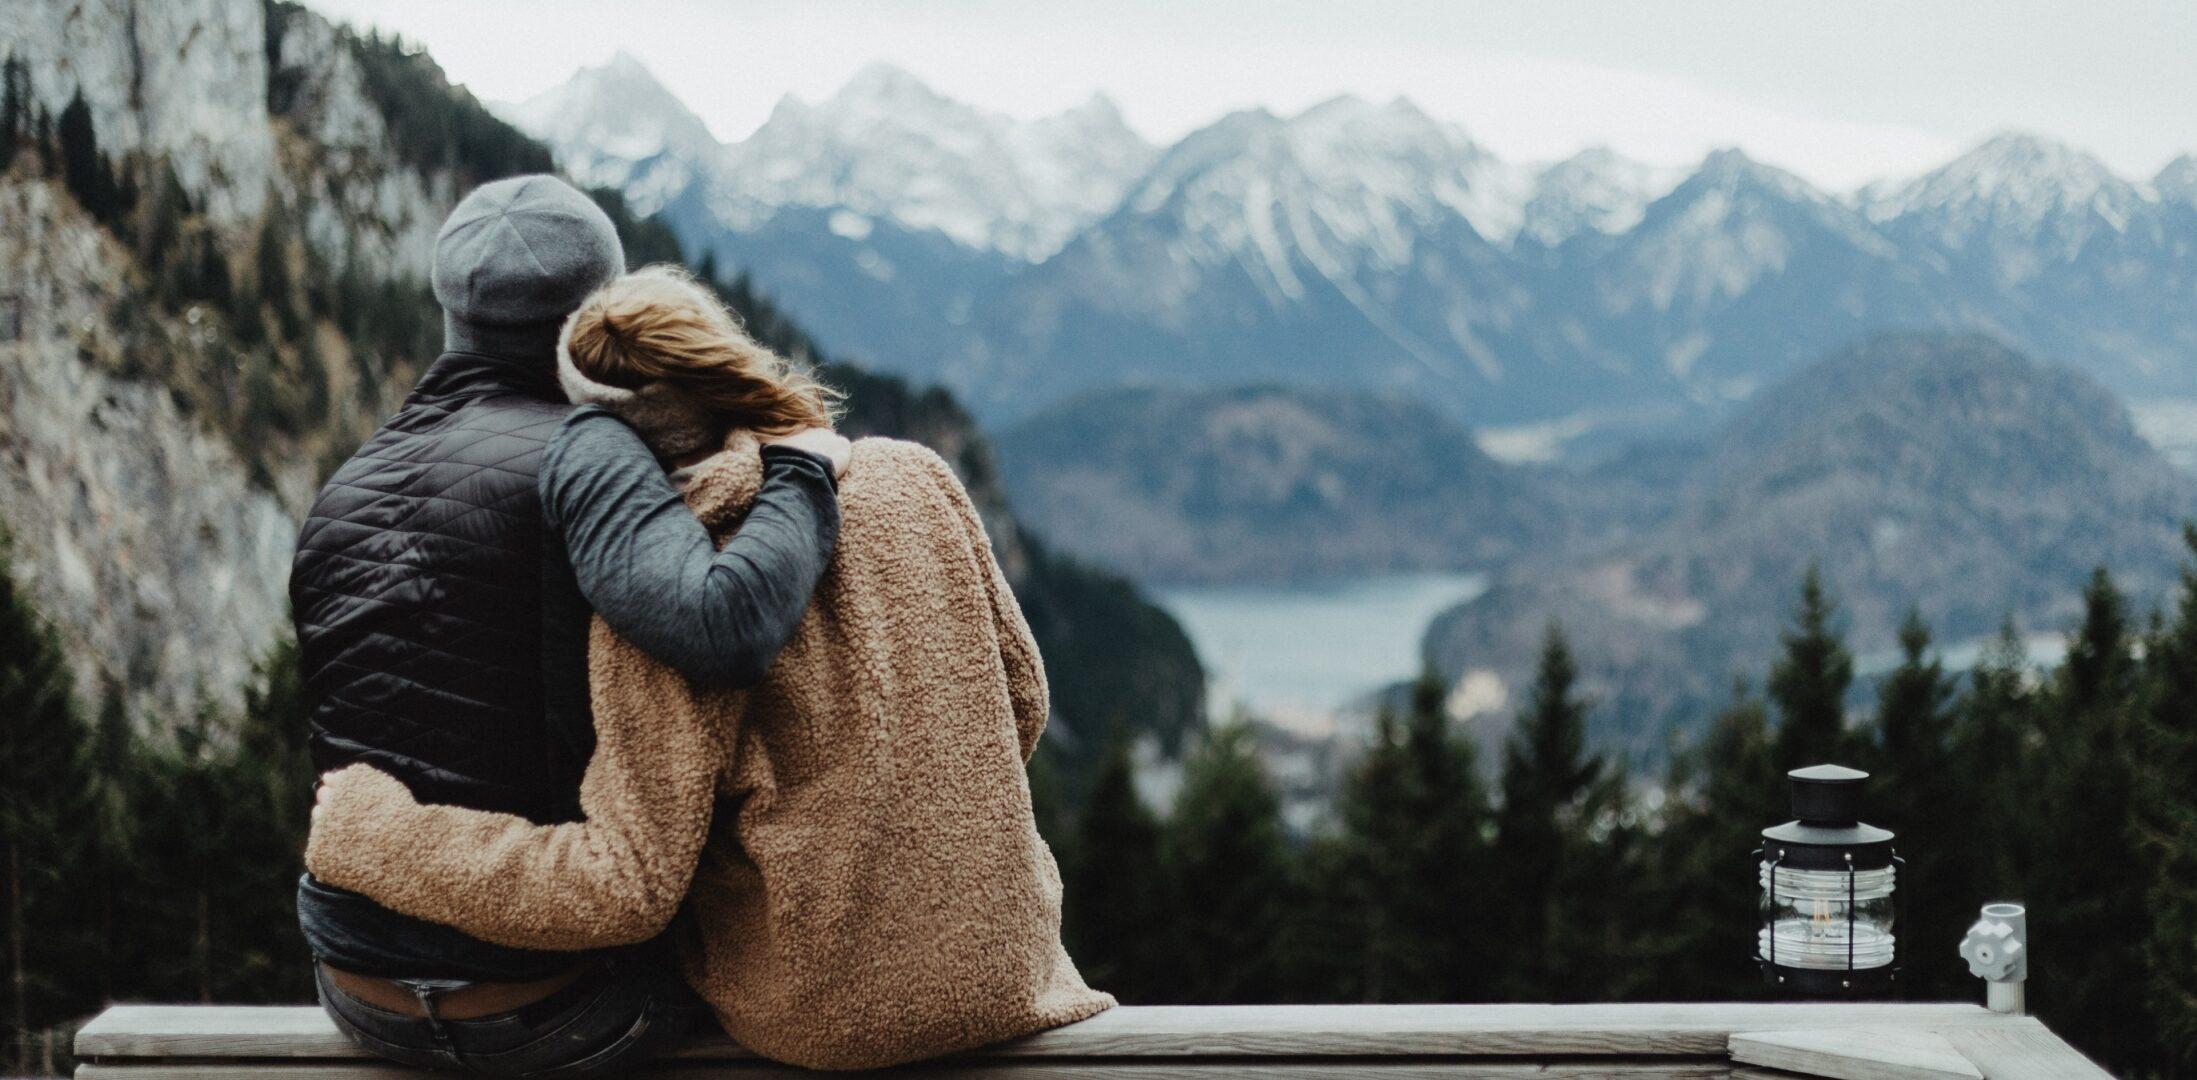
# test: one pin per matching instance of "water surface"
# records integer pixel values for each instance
(1298, 654)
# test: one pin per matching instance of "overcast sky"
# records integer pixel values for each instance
(1841, 91)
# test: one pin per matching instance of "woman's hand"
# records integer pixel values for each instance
(823, 442)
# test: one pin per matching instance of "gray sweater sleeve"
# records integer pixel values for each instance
(649, 568)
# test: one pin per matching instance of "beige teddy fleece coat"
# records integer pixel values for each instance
(852, 839)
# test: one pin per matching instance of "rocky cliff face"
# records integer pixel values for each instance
(206, 309)
(150, 520)
(183, 80)
(134, 527)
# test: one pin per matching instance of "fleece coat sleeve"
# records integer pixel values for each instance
(1026, 686)
(615, 878)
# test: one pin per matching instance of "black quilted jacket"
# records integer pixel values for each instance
(418, 583)
(442, 590)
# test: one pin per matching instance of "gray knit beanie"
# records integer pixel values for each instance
(515, 258)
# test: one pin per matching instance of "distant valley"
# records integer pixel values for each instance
(1351, 344)
(1269, 484)
(1943, 473)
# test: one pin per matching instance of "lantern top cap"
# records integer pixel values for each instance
(1828, 774)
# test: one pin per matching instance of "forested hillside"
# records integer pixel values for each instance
(214, 222)
(1941, 473)
(1270, 483)
(195, 360)
(1568, 879)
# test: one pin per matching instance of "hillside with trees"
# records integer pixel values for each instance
(2064, 787)
(192, 361)
(1947, 474)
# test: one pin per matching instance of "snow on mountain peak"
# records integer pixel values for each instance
(2177, 182)
(1343, 188)
(1595, 190)
(888, 146)
(614, 125)
(882, 83)
(2013, 185)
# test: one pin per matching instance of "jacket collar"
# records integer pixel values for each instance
(470, 374)
(479, 359)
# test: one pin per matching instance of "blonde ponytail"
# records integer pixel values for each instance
(658, 324)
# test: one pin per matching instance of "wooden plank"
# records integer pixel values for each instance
(213, 1031)
(1855, 1054)
(1635, 1069)
(1489, 1030)
(229, 1031)
(2026, 1052)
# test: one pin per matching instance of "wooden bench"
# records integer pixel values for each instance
(1391, 1042)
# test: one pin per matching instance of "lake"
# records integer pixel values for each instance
(1299, 654)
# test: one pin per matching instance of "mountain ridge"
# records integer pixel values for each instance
(1269, 483)
(1944, 472)
(1366, 245)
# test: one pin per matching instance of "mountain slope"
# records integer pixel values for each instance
(215, 246)
(1343, 246)
(615, 126)
(887, 146)
(1358, 246)
(1266, 483)
(885, 214)
(1947, 473)
(187, 353)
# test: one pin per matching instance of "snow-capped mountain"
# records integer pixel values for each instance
(1373, 246)
(1346, 184)
(615, 126)
(1594, 191)
(2177, 182)
(885, 147)
(1740, 272)
(2020, 200)
(888, 147)
(1353, 237)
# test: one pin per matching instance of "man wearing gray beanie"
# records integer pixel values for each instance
(442, 590)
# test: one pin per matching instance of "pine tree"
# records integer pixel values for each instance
(2099, 662)
(42, 777)
(114, 774)
(1917, 794)
(2089, 980)
(1115, 912)
(270, 779)
(1808, 683)
(276, 285)
(1700, 892)
(84, 170)
(14, 108)
(1553, 791)
(1233, 881)
(1407, 880)
(1995, 741)
(2168, 820)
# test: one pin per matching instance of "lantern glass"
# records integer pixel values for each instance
(1827, 920)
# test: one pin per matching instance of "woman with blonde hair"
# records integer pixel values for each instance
(848, 847)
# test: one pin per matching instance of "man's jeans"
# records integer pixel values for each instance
(631, 1007)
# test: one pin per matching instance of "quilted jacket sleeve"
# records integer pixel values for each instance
(615, 878)
(652, 571)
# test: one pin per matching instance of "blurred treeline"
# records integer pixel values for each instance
(141, 869)
(136, 867)
(2073, 789)
(161, 867)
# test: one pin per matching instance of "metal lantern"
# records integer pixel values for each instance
(1827, 880)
